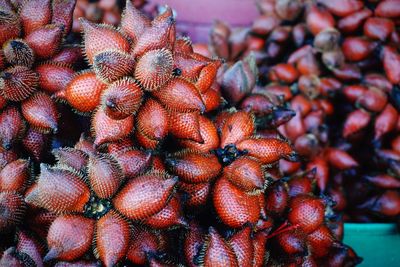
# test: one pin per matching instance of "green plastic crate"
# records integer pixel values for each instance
(377, 243)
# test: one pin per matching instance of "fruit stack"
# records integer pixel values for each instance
(170, 172)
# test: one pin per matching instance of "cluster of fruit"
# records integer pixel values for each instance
(337, 65)
(188, 161)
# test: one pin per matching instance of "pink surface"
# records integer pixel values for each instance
(194, 17)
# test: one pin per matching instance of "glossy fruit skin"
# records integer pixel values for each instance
(306, 212)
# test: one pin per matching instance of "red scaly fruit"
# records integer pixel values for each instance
(15, 176)
(276, 198)
(105, 129)
(133, 162)
(320, 241)
(169, 216)
(35, 143)
(145, 242)
(238, 126)
(133, 22)
(217, 251)
(121, 99)
(197, 194)
(246, 173)
(318, 19)
(69, 237)
(68, 55)
(10, 26)
(152, 120)
(340, 159)
(40, 112)
(35, 14)
(386, 121)
(234, 207)
(12, 210)
(185, 125)
(71, 157)
(391, 64)
(378, 28)
(353, 21)
(11, 126)
(18, 83)
(45, 41)
(83, 92)
(72, 197)
(306, 212)
(111, 65)
(54, 76)
(30, 246)
(100, 37)
(355, 122)
(194, 167)
(145, 195)
(193, 243)
(242, 245)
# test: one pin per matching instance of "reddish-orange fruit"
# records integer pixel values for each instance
(83, 92)
(71, 157)
(112, 65)
(54, 76)
(35, 143)
(211, 99)
(242, 245)
(105, 175)
(391, 64)
(320, 241)
(208, 134)
(30, 246)
(340, 159)
(267, 150)
(71, 197)
(133, 22)
(322, 171)
(342, 8)
(194, 167)
(18, 83)
(306, 212)
(154, 69)
(246, 173)
(387, 204)
(160, 34)
(62, 13)
(18, 52)
(259, 104)
(291, 243)
(11, 127)
(353, 92)
(355, 122)
(388, 8)
(144, 242)
(98, 38)
(352, 22)
(45, 41)
(238, 126)
(68, 55)
(35, 14)
(276, 198)
(12, 210)
(295, 127)
(383, 181)
(146, 142)
(319, 19)
(378, 28)
(217, 252)
(145, 195)
(112, 238)
(259, 241)
(121, 99)
(193, 243)
(386, 121)
(41, 112)
(234, 207)
(168, 217)
(285, 73)
(15, 176)
(357, 48)
(197, 193)
(180, 95)
(347, 72)
(189, 67)
(373, 99)
(302, 184)
(106, 130)
(69, 237)
(152, 120)
(207, 76)
(185, 125)
(133, 162)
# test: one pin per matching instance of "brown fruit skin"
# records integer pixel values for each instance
(267, 150)
(276, 198)
(193, 243)
(306, 212)
(291, 243)
(318, 19)
(197, 193)
(143, 243)
(152, 120)
(242, 246)
(15, 176)
(234, 207)
(69, 237)
(320, 241)
(53, 76)
(133, 162)
(218, 252)
(106, 130)
(192, 167)
(378, 28)
(168, 217)
(355, 122)
(237, 127)
(41, 112)
(144, 196)
(83, 92)
(11, 126)
(246, 173)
